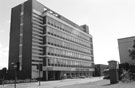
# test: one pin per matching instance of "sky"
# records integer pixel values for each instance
(108, 20)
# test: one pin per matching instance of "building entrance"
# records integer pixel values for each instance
(54, 75)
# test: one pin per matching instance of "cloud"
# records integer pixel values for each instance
(3, 56)
(8, 21)
(4, 26)
(1, 31)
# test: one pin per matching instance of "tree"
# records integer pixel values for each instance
(132, 52)
(4, 71)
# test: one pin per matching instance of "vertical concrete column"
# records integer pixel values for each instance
(71, 74)
(113, 71)
(46, 75)
(61, 74)
(46, 68)
(54, 75)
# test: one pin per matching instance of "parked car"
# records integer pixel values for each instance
(82, 77)
(106, 77)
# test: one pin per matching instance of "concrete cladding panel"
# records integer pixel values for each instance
(27, 39)
(14, 36)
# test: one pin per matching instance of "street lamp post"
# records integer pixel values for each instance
(14, 66)
(39, 77)
(15, 74)
(40, 69)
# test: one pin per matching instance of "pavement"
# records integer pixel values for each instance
(93, 82)
(53, 84)
(102, 84)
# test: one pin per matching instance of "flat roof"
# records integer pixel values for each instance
(126, 37)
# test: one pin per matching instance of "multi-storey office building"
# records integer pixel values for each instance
(99, 69)
(41, 36)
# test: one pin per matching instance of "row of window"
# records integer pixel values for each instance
(37, 39)
(65, 36)
(37, 24)
(37, 47)
(37, 42)
(55, 42)
(56, 32)
(67, 45)
(59, 25)
(60, 43)
(37, 17)
(37, 59)
(37, 21)
(68, 63)
(64, 53)
(66, 28)
(36, 62)
(37, 33)
(36, 51)
(73, 46)
(37, 30)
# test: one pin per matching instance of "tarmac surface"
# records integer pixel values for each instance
(93, 82)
